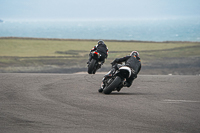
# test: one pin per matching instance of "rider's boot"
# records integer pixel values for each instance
(101, 88)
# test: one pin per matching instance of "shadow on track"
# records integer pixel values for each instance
(126, 93)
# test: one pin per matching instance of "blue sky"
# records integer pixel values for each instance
(97, 9)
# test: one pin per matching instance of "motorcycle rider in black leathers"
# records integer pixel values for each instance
(102, 49)
(132, 61)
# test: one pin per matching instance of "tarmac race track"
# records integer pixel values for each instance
(70, 103)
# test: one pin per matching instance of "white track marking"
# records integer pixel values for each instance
(180, 101)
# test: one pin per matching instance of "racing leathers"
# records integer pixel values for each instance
(132, 62)
(102, 49)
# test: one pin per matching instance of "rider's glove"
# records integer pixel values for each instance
(112, 63)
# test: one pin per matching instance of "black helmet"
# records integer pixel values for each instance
(134, 53)
(100, 42)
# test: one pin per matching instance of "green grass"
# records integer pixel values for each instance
(39, 52)
(35, 48)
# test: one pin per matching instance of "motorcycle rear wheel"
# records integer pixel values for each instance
(114, 84)
(91, 67)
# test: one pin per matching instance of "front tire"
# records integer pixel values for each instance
(91, 66)
(108, 89)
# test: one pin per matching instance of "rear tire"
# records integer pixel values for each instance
(108, 89)
(91, 66)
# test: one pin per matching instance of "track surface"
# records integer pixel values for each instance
(70, 103)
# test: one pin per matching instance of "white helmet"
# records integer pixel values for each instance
(134, 53)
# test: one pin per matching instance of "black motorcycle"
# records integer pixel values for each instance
(114, 80)
(94, 64)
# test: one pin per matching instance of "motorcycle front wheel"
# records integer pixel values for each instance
(111, 86)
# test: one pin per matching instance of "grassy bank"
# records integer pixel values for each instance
(40, 55)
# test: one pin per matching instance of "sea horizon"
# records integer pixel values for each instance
(143, 29)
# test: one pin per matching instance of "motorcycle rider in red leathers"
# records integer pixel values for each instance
(132, 61)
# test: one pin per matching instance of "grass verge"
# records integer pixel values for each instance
(62, 55)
